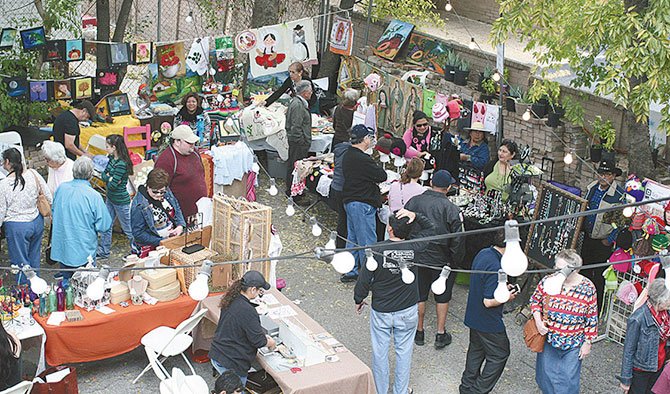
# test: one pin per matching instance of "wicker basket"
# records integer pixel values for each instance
(241, 230)
(186, 276)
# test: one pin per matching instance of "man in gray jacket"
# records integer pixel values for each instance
(298, 128)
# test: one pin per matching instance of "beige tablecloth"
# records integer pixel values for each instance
(348, 375)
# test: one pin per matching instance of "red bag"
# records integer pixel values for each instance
(66, 386)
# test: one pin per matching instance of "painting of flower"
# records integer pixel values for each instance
(143, 52)
(171, 60)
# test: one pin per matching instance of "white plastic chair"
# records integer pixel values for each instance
(11, 138)
(21, 388)
(178, 383)
(97, 141)
(167, 342)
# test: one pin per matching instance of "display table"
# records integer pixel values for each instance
(348, 375)
(105, 129)
(99, 336)
(30, 334)
(320, 143)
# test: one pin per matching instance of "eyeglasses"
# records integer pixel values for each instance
(158, 192)
(421, 125)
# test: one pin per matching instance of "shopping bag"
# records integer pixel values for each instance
(68, 385)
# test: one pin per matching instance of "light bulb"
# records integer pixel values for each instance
(501, 294)
(96, 290)
(384, 158)
(189, 18)
(370, 262)
(255, 167)
(212, 71)
(448, 7)
(514, 262)
(343, 262)
(526, 115)
(290, 208)
(568, 158)
(554, 283)
(496, 76)
(406, 274)
(440, 285)
(628, 211)
(331, 241)
(472, 45)
(273, 187)
(199, 289)
(316, 230)
(37, 284)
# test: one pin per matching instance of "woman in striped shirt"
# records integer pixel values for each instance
(570, 320)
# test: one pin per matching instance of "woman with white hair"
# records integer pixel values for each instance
(644, 351)
(570, 321)
(343, 117)
(60, 166)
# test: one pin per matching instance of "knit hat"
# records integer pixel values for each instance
(660, 242)
(440, 113)
(627, 293)
(624, 239)
(398, 147)
(620, 255)
(384, 143)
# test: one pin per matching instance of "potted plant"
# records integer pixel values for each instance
(515, 94)
(450, 66)
(488, 90)
(555, 111)
(461, 73)
(606, 134)
(523, 103)
(484, 75)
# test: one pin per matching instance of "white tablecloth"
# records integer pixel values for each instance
(320, 144)
(28, 332)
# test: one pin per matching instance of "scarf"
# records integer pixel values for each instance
(420, 143)
(662, 320)
(158, 204)
(189, 117)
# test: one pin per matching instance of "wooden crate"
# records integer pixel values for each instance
(241, 230)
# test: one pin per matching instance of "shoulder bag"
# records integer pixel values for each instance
(534, 340)
(43, 204)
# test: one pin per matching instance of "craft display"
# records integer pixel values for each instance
(119, 293)
(186, 276)
(159, 278)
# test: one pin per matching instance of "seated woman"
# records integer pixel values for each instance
(417, 138)
(10, 350)
(475, 151)
(498, 176)
(60, 166)
(190, 111)
(239, 334)
(155, 213)
(408, 186)
(296, 73)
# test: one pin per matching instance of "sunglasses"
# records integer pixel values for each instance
(422, 125)
(158, 192)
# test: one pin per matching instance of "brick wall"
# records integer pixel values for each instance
(481, 10)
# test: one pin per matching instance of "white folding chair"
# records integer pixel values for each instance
(178, 383)
(10, 139)
(97, 141)
(21, 388)
(167, 342)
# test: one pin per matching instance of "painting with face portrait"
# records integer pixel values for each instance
(54, 51)
(119, 54)
(74, 50)
(303, 41)
(63, 90)
(270, 54)
(118, 105)
(7, 38)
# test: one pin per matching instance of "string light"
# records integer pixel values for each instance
(331, 241)
(37, 284)
(440, 285)
(370, 262)
(568, 158)
(628, 212)
(316, 229)
(212, 71)
(199, 289)
(448, 7)
(273, 187)
(290, 208)
(526, 115)
(472, 44)
(496, 76)
(501, 294)
(406, 274)
(189, 18)
(96, 289)
(514, 262)
(554, 283)
(342, 262)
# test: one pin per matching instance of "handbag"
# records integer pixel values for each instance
(43, 204)
(534, 340)
(68, 385)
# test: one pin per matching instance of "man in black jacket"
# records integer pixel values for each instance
(394, 309)
(298, 129)
(448, 220)
(360, 194)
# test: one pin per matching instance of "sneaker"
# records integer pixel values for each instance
(442, 340)
(418, 338)
(348, 278)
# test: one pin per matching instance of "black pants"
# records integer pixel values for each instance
(335, 202)
(295, 152)
(643, 382)
(594, 251)
(490, 350)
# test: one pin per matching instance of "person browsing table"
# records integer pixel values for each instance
(66, 127)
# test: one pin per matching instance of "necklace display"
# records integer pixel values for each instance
(552, 237)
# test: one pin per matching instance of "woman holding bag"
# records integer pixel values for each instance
(570, 321)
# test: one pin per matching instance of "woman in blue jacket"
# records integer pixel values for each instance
(155, 212)
(647, 332)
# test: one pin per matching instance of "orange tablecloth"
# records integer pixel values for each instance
(99, 336)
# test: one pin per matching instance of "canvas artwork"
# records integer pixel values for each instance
(396, 106)
(427, 52)
(303, 41)
(341, 36)
(33, 39)
(428, 101)
(107, 80)
(391, 41)
(83, 88)
(143, 52)
(119, 54)
(269, 56)
(54, 51)
(197, 59)
(7, 38)
(171, 59)
(118, 105)
(74, 50)
(223, 58)
(39, 91)
(63, 90)
(413, 102)
(17, 87)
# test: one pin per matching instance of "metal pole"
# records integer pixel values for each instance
(158, 21)
(500, 66)
(367, 28)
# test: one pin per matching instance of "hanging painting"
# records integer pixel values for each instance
(491, 118)
(269, 56)
(142, 52)
(7, 38)
(54, 51)
(341, 36)
(427, 52)
(303, 41)
(39, 91)
(171, 60)
(33, 39)
(396, 104)
(17, 87)
(478, 112)
(413, 102)
(223, 59)
(391, 41)
(63, 90)
(119, 54)
(74, 50)
(197, 59)
(428, 101)
(83, 88)
(107, 80)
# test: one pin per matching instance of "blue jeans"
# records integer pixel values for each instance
(558, 371)
(221, 369)
(24, 244)
(402, 326)
(361, 229)
(123, 213)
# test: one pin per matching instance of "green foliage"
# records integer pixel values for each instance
(516, 92)
(605, 131)
(622, 52)
(463, 65)
(574, 112)
(542, 89)
(452, 59)
(489, 86)
(418, 12)
(488, 72)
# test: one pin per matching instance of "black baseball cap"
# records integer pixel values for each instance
(255, 279)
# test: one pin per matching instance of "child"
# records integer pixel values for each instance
(118, 199)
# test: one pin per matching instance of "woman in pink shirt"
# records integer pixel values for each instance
(408, 186)
(417, 138)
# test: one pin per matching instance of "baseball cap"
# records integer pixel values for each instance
(255, 279)
(87, 105)
(183, 132)
(360, 131)
(442, 178)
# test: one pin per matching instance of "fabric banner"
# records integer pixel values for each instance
(198, 56)
(428, 101)
(303, 39)
(341, 36)
(491, 118)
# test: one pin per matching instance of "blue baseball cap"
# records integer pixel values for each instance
(442, 178)
(360, 131)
